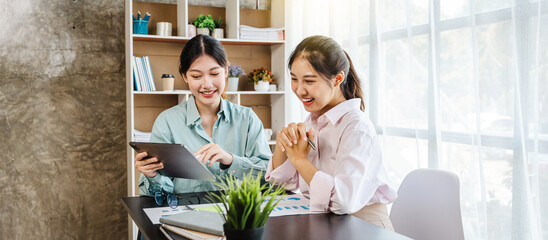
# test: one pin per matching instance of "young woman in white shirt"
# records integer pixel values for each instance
(345, 173)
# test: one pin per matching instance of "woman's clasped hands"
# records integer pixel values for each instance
(293, 140)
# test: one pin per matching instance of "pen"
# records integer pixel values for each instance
(147, 16)
(312, 145)
(189, 207)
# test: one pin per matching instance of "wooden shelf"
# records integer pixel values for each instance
(227, 41)
(186, 92)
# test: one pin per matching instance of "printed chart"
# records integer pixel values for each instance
(294, 204)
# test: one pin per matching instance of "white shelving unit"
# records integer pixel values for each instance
(143, 107)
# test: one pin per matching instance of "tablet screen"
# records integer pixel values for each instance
(177, 159)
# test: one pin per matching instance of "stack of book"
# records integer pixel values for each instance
(139, 136)
(252, 33)
(142, 75)
(194, 225)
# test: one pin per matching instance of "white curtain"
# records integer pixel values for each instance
(458, 85)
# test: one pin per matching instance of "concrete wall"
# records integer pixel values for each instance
(62, 120)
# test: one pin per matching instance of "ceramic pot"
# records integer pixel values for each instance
(245, 234)
(203, 31)
(191, 31)
(232, 84)
(261, 86)
(218, 33)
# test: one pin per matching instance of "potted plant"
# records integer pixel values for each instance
(218, 32)
(248, 205)
(261, 77)
(204, 24)
(234, 73)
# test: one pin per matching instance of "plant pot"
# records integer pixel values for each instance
(262, 86)
(245, 234)
(203, 31)
(191, 31)
(232, 84)
(218, 33)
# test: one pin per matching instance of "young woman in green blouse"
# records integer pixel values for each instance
(226, 137)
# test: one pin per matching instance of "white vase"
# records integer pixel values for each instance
(232, 84)
(261, 86)
(272, 88)
(218, 33)
(203, 31)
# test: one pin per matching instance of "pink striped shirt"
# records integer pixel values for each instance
(351, 173)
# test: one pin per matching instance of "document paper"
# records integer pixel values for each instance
(294, 204)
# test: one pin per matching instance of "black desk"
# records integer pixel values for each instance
(312, 226)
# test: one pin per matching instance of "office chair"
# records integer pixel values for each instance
(428, 206)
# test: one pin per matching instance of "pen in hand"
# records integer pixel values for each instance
(312, 145)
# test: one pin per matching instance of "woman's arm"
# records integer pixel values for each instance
(353, 179)
(256, 150)
(156, 182)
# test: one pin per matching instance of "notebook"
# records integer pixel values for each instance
(177, 233)
(202, 221)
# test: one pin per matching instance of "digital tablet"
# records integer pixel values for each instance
(178, 161)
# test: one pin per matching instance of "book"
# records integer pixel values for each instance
(253, 33)
(201, 221)
(139, 136)
(171, 235)
(177, 233)
(142, 74)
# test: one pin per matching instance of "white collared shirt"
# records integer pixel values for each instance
(351, 173)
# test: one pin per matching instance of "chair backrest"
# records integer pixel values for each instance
(428, 206)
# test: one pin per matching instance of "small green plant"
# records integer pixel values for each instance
(243, 201)
(204, 21)
(219, 23)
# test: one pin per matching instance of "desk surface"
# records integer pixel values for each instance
(313, 226)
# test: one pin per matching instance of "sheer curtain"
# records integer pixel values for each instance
(458, 85)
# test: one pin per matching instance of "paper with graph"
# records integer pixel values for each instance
(294, 204)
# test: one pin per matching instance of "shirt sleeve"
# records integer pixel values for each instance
(256, 154)
(354, 180)
(285, 174)
(160, 134)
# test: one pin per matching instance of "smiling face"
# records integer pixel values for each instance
(206, 80)
(315, 92)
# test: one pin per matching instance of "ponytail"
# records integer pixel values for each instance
(328, 59)
(352, 87)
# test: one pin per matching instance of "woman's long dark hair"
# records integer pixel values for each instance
(328, 59)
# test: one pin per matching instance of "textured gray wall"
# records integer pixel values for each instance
(62, 119)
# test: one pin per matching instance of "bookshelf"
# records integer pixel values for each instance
(163, 51)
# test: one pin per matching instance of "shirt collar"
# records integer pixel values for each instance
(224, 112)
(335, 113)
(193, 116)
